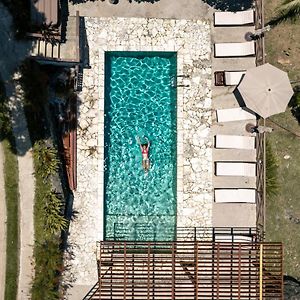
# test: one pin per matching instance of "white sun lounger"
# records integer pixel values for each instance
(234, 142)
(235, 195)
(226, 18)
(235, 169)
(233, 238)
(234, 114)
(234, 49)
(233, 77)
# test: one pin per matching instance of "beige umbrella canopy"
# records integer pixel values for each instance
(266, 90)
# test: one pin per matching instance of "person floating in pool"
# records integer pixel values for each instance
(145, 154)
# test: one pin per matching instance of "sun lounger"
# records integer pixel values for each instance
(235, 169)
(233, 238)
(234, 114)
(234, 142)
(235, 195)
(226, 18)
(234, 49)
(228, 77)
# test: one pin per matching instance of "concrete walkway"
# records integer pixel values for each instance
(163, 9)
(26, 190)
(2, 227)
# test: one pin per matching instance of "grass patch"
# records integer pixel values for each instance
(11, 181)
(283, 209)
(12, 207)
(272, 185)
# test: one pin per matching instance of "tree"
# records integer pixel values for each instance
(288, 11)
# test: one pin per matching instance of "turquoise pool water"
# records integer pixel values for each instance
(140, 101)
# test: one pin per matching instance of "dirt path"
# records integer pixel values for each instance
(2, 227)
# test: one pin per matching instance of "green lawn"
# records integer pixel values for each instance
(11, 181)
(12, 204)
(283, 210)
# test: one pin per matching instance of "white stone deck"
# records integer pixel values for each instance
(191, 40)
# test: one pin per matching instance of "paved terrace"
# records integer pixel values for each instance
(191, 41)
(231, 214)
(164, 9)
(183, 26)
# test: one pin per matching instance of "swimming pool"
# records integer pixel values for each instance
(140, 101)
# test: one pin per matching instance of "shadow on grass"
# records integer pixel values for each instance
(230, 5)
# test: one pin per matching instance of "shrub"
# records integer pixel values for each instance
(295, 105)
(46, 159)
(54, 220)
(48, 267)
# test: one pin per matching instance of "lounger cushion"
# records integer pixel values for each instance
(233, 77)
(234, 49)
(234, 142)
(226, 18)
(233, 238)
(234, 114)
(235, 195)
(235, 169)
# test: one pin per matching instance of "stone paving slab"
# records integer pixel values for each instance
(234, 155)
(165, 9)
(234, 182)
(234, 215)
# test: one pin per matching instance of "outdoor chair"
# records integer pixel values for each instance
(234, 142)
(234, 49)
(235, 169)
(226, 18)
(228, 77)
(235, 195)
(234, 114)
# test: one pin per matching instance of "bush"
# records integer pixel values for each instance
(46, 160)
(53, 208)
(49, 264)
(272, 186)
(295, 105)
(20, 11)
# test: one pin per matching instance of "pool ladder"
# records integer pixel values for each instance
(174, 81)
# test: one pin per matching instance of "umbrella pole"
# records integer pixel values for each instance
(265, 172)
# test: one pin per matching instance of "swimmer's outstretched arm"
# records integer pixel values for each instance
(147, 142)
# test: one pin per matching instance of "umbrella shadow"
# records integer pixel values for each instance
(230, 5)
(241, 101)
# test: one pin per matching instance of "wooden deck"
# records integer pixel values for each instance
(189, 271)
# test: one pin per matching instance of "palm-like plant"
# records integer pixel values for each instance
(54, 219)
(288, 11)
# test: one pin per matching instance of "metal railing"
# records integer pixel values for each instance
(261, 137)
(146, 232)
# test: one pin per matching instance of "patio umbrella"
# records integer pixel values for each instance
(266, 90)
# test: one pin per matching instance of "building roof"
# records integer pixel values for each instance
(44, 11)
